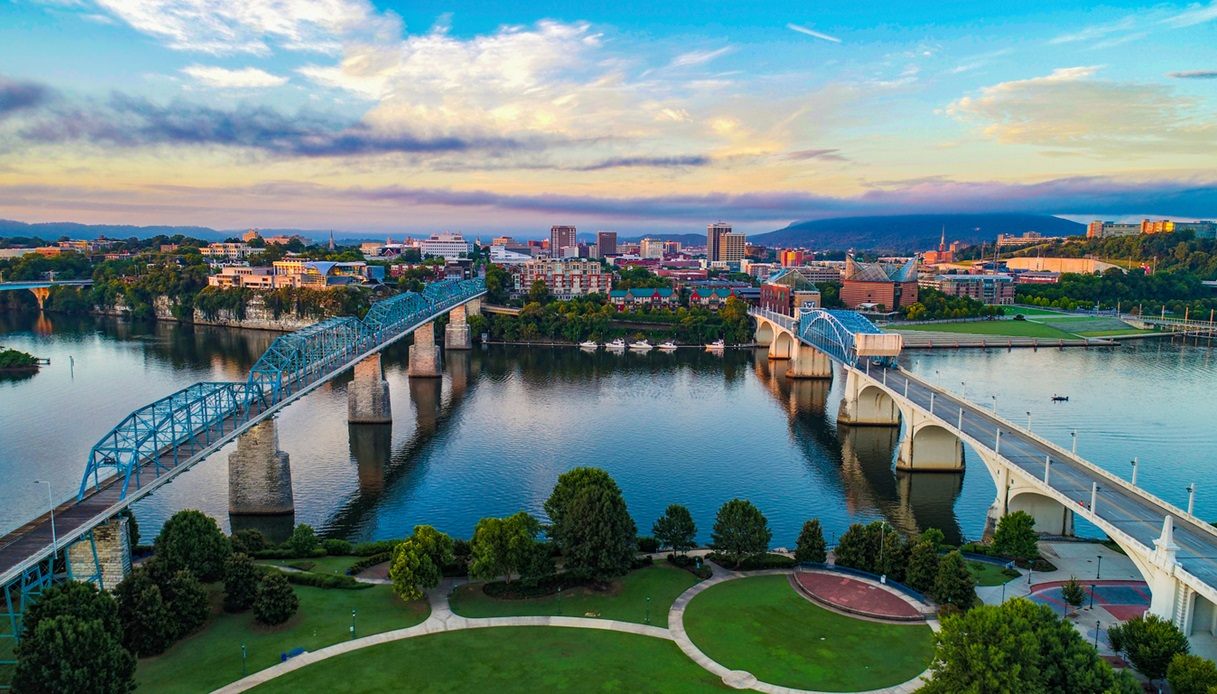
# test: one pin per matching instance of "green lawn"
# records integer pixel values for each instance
(211, 658)
(987, 574)
(321, 565)
(763, 626)
(504, 660)
(1115, 333)
(626, 599)
(1013, 328)
(1029, 311)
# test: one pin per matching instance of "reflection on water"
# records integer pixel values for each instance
(492, 435)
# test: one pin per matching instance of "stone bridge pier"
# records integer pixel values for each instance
(41, 294)
(425, 358)
(106, 555)
(457, 334)
(368, 394)
(260, 483)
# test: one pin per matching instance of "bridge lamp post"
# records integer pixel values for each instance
(1074, 435)
(1028, 420)
(1094, 496)
(1191, 498)
(994, 396)
(1134, 472)
(1098, 574)
(50, 504)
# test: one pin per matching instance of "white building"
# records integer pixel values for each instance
(446, 245)
(501, 256)
(651, 248)
(227, 252)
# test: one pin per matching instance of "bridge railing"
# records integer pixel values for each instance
(157, 433)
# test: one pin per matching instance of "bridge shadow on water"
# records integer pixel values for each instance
(858, 462)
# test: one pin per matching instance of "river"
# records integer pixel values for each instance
(491, 437)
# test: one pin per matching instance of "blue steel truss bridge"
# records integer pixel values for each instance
(159, 441)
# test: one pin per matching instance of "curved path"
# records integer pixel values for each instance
(740, 679)
(442, 619)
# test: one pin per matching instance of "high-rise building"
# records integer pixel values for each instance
(792, 257)
(714, 235)
(560, 237)
(732, 247)
(606, 243)
(651, 248)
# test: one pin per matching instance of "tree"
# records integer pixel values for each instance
(65, 653)
(437, 546)
(503, 546)
(240, 583)
(1191, 674)
(1015, 536)
(275, 602)
(187, 602)
(303, 540)
(248, 541)
(1073, 592)
(740, 531)
(1149, 642)
(811, 546)
(954, 584)
(1018, 647)
(923, 566)
(71, 641)
(538, 292)
(412, 570)
(148, 626)
(858, 548)
(192, 540)
(675, 529)
(590, 523)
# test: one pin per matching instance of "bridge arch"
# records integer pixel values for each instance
(764, 332)
(784, 345)
(930, 447)
(1051, 516)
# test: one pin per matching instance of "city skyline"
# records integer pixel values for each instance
(386, 118)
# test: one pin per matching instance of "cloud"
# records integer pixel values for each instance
(825, 154)
(653, 162)
(698, 57)
(1134, 27)
(17, 96)
(125, 121)
(1194, 75)
(1196, 14)
(251, 26)
(223, 78)
(811, 32)
(1070, 110)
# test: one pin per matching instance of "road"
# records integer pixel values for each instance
(1116, 504)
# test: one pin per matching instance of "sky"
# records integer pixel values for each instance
(489, 117)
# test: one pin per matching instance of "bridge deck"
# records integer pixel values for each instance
(1118, 503)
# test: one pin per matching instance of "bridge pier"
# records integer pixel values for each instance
(425, 358)
(809, 362)
(107, 555)
(371, 446)
(259, 474)
(41, 294)
(866, 404)
(456, 333)
(368, 394)
(927, 446)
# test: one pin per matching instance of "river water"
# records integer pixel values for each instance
(491, 437)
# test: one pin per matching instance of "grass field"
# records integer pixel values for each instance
(987, 574)
(1029, 311)
(321, 565)
(1013, 328)
(763, 626)
(505, 660)
(626, 600)
(211, 658)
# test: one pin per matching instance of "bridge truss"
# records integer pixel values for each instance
(158, 437)
(847, 336)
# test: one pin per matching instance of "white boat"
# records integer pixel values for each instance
(641, 345)
(668, 346)
(618, 344)
(716, 346)
(589, 345)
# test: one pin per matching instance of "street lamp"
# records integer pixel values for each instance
(1134, 472)
(648, 619)
(1191, 501)
(1092, 596)
(1074, 435)
(994, 396)
(244, 659)
(1099, 572)
(1097, 625)
(352, 624)
(51, 505)
(1028, 420)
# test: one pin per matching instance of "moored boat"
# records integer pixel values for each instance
(668, 345)
(716, 346)
(641, 345)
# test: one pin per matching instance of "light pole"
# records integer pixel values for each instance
(1097, 624)
(1092, 596)
(1134, 472)
(1099, 572)
(994, 396)
(244, 659)
(963, 390)
(1191, 502)
(648, 619)
(352, 624)
(1074, 435)
(1028, 420)
(51, 504)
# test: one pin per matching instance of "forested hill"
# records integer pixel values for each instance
(903, 233)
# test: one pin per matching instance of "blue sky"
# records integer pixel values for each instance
(488, 117)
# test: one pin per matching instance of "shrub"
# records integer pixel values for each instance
(648, 545)
(368, 562)
(191, 540)
(367, 549)
(335, 547)
(248, 541)
(1073, 592)
(303, 540)
(148, 627)
(328, 581)
(240, 583)
(756, 562)
(1015, 536)
(275, 602)
(461, 548)
(810, 546)
(186, 601)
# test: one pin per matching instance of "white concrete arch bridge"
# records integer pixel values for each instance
(1175, 551)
